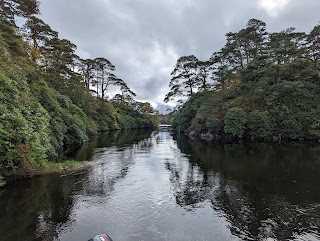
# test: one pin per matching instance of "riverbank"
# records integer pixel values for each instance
(225, 139)
(142, 184)
(80, 158)
(47, 168)
(45, 112)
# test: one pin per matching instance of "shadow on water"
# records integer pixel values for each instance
(264, 191)
(148, 182)
(108, 139)
(36, 204)
(112, 164)
(41, 208)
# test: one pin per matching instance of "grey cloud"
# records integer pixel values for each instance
(303, 15)
(144, 38)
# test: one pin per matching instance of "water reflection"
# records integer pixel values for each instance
(264, 191)
(40, 204)
(41, 208)
(156, 186)
(113, 164)
(108, 139)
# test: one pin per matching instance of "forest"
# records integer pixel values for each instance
(51, 100)
(260, 86)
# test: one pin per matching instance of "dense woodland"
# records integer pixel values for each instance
(260, 86)
(51, 100)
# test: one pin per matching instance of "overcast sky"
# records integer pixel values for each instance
(144, 38)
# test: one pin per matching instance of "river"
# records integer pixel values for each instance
(145, 186)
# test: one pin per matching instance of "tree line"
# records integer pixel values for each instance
(261, 86)
(55, 55)
(59, 54)
(51, 100)
(251, 47)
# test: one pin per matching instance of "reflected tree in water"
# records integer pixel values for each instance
(44, 206)
(114, 164)
(263, 191)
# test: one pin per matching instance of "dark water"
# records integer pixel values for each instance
(156, 186)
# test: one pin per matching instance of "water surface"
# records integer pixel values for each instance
(159, 186)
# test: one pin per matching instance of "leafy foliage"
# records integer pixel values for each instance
(234, 122)
(258, 125)
(46, 101)
(24, 127)
(265, 86)
(2, 181)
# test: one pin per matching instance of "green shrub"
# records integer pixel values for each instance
(234, 122)
(69, 125)
(182, 119)
(24, 127)
(213, 124)
(258, 125)
(44, 112)
(92, 127)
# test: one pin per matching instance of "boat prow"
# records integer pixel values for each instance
(101, 237)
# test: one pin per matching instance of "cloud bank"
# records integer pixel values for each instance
(144, 38)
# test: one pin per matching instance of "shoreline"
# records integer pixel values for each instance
(53, 167)
(225, 139)
(49, 168)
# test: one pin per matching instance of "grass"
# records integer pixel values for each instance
(49, 168)
(62, 166)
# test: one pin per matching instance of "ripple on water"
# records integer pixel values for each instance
(169, 188)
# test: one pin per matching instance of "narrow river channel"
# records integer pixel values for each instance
(145, 186)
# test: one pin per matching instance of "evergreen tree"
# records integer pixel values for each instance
(314, 46)
(20, 8)
(202, 74)
(104, 76)
(41, 36)
(184, 78)
(86, 69)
